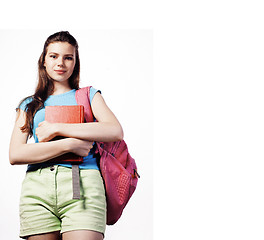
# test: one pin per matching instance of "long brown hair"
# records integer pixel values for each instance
(45, 84)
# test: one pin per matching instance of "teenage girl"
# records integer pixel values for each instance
(47, 210)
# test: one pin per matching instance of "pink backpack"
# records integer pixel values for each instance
(117, 167)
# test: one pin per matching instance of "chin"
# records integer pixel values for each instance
(60, 79)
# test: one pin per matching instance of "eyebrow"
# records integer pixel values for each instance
(68, 54)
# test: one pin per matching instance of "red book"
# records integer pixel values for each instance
(65, 114)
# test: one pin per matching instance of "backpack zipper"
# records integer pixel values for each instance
(136, 173)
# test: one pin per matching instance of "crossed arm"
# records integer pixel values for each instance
(79, 137)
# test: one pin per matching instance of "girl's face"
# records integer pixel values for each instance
(60, 61)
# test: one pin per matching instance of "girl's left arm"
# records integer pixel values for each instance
(107, 129)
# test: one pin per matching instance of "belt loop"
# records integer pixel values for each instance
(76, 181)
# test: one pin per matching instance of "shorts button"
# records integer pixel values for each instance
(52, 168)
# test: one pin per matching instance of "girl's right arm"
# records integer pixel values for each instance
(22, 153)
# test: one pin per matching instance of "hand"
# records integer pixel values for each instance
(46, 131)
(80, 147)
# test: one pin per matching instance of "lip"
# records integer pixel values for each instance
(60, 71)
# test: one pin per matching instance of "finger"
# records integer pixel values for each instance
(90, 146)
(39, 138)
(37, 132)
(43, 139)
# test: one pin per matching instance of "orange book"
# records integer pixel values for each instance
(65, 114)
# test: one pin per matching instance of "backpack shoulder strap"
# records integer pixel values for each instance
(82, 97)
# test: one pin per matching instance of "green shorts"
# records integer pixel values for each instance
(46, 203)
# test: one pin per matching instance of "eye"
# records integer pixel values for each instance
(53, 56)
(69, 58)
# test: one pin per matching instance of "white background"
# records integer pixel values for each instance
(120, 64)
(208, 106)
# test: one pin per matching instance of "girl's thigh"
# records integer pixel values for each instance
(82, 235)
(46, 236)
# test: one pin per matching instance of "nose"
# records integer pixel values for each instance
(60, 62)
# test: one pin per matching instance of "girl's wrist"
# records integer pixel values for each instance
(69, 144)
(58, 129)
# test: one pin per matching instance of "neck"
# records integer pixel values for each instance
(61, 87)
